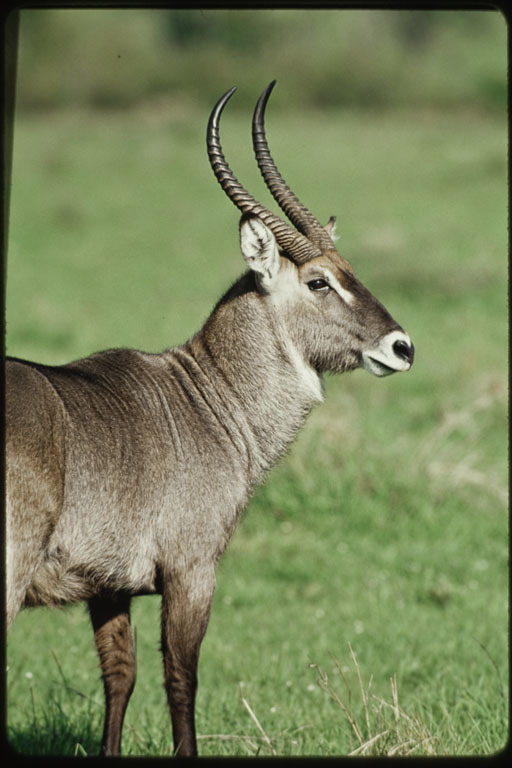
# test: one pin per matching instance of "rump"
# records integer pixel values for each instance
(34, 443)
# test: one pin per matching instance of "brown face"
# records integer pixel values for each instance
(356, 330)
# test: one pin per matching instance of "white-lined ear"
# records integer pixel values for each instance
(259, 249)
(330, 228)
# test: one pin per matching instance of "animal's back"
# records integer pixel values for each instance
(138, 479)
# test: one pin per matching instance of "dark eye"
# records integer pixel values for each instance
(318, 285)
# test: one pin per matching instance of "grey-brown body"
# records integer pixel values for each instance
(187, 433)
(127, 471)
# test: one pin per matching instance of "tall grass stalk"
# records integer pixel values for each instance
(384, 728)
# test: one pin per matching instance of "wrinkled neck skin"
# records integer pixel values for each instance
(258, 373)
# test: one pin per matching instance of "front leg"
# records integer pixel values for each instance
(186, 600)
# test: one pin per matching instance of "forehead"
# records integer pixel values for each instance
(332, 261)
(337, 262)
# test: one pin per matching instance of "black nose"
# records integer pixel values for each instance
(402, 349)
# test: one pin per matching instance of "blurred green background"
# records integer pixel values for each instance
(326, 58)
(386, 524)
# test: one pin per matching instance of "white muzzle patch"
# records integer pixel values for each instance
(393, 353)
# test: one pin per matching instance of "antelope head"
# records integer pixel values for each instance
(335, 322)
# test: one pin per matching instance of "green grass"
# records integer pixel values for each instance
(386, 525)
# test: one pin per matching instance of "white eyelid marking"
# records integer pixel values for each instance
(347, 297)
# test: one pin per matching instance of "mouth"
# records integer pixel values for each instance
(378, 368)
(394, 353)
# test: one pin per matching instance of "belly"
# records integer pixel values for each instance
(64, 578)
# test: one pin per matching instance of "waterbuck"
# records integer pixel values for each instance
(127, 471)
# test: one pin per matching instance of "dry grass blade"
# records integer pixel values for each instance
(364, 694)
(363, 748)
(323, 683)
(258, 725)
(394, 693)
(411, 737)
(251, 747)
(389, 730)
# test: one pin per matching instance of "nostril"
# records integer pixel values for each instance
(402, 349)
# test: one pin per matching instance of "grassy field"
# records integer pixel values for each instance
(362, 603)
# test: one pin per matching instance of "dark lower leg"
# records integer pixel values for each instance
(112, 634)
(181, 686)
(185, 611)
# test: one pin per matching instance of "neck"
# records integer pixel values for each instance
(251, 362)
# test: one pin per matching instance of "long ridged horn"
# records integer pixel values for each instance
(295, 245)
(296, 211)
